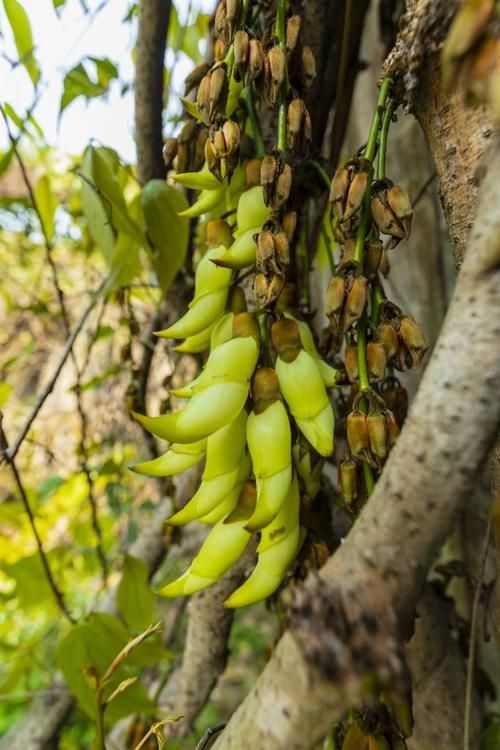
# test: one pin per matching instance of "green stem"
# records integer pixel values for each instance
(281, 35)
(359, 251)
(322, 172)
(99, 711)
(384, 132)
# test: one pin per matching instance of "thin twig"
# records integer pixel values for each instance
(27, 507)
(473, 635)
(11, 452)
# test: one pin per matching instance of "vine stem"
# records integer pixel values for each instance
(281, 34)
(359, 251)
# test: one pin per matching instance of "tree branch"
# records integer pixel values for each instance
(346, 622)
(151, 43)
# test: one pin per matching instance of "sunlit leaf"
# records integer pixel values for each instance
(97, 213)
(77, 81)
(135, 597)
(125, 262)
(192, 109)
(23, 38)
(32, 589)
(46, 206)
(58, 4)
(168, 231)
(5, 393)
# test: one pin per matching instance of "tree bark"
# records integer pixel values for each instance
(151, 44)
(347, 622)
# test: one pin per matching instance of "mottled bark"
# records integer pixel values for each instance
(438, 680)
(151, 43)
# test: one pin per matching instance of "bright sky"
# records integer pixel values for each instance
(60, 43)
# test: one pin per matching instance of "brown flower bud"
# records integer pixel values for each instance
(399, 203)
(308, 72)
(220, 50)
(213, 160)
(351, 363)
(289, 224)
(232, 136)
(203, 96)
(218, 91)
(267, 292)
(298, 126)
(198, 151)
(245, 324)
(265, 385)
(392, 427)
(241, 52)
(194, 78)
(348, 480)
(282, 249)
(335, 296)
(373, 256)
(377, 434)
(237, 301)
(285, 336)
(222, 28)
(219, 233)
(293, 26)
(252, 172)
(169, 152)
(233, 8)
(265, 249)
(356, 301)
(255, 60)
(182, 157)
(414, 339)
(385, 265)
(357, 434)
(277, 68)
(283, 187)
(268, 175)
(392, 211)
(377, 361)
(389, 338)
(356, 193)
(396, 399)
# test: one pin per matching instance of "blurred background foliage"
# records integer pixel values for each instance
(73, 242)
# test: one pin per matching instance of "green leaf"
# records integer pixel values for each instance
(134, 597)
(125, 262)
(168, 231)
(46, 205)
(103, 377)
(5, 160)
(491, 737)
(58, 4)
(95, 211)
(95, 643)
(23, 38)
(104, 176)
(192, 109)
(77, 81)
(5, 393)
(32, 589)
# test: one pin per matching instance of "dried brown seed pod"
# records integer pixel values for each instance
(355, 302)
(252, 172)
(219, 233)
(255, 60)
(351, 363)
(268, 175)
(357, 434)
(198, 150)
(298, 126)
(194, 78)
(277, 68)
(377, 434)
(265, 249)
(391, 210)
(392, 427)
(388, 338)
(282, 249)
(348, 480)
(203, 96)
(308, 71)
(293, 26)
(232, 136)
(233, 8)
(377, 361)
(169, 152)
(283, 186)
(182, 157)
(289, 224)
(222, 28)
(335, 296)
(373, 256)
(218, 91)
(241, 52)
(414, 339)
(213, 160)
